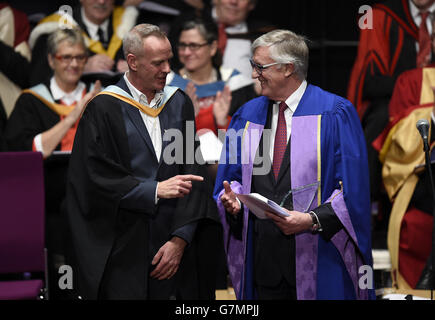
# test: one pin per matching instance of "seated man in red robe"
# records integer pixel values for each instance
(405, 178)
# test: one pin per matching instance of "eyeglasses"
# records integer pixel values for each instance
(67, 59)
(191, 46)
(259, 68)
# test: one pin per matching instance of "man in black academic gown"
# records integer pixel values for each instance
(136, 195)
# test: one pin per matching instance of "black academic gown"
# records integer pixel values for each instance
(115, 225)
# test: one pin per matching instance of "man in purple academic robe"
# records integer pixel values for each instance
(303, 148)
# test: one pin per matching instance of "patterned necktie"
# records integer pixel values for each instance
(222, 38)
(280, 140)
(424, 43)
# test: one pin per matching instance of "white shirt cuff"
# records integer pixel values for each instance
(156, 199)
(240, 204)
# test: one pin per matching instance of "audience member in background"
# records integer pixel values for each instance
(103, 25)
(236, 31)
(14, 55)
(45, 119)
(405, 178)
(399, 40)
(217, 92)
(408, 186)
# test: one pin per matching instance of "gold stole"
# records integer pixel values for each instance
(153, 112)
(60, 109)
(400, 179)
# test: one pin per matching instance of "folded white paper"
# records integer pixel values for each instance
(211, 146)
(258, 205)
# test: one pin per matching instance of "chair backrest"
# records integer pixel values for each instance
(22, 206)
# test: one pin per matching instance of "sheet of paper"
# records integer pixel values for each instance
(258, 204)
(211, 146)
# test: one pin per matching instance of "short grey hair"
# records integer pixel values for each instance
(72, 35)
(133, 40)
(207, 30)
(286, 47)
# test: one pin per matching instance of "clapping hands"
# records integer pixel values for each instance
(221, 106)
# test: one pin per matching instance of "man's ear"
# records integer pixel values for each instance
(132, 62)
(289, 69)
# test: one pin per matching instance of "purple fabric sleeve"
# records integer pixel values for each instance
(346, 242)
(233, 246)
(303, 162)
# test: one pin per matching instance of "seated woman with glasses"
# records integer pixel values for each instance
(45, 117)
(216, 92)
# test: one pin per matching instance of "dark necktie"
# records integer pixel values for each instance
(222, 38)
(280, 140)
(424, 43)
(102, 38)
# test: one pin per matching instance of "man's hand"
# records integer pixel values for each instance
(176, 187)
(99, 63)
(168, 258)
(295, 223)
(229, 200)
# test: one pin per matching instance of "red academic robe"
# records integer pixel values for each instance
(384, 52)
(401, 150)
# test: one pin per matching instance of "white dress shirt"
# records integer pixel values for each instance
(151, 123)
(67, 98)
(292, 103)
